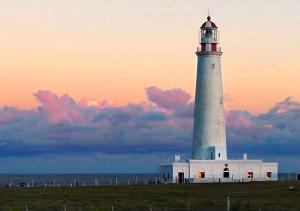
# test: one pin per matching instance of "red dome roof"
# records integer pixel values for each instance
(209, 24)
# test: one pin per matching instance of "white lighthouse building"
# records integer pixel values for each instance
(209, 162)
(209, 142)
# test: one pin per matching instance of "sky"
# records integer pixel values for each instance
(88, 82)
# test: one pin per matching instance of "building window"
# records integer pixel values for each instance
(219, 154)
(269, 174)
(213, 66)
(201, 174)
(250, 175)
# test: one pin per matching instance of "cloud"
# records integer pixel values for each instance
(55, 109)
(286, 105)
(168, 99)
(274, 133)
(239, 119)
(60, 126)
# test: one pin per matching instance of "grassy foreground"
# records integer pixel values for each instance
(243, 196)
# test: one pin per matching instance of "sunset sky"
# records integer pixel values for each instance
(115, 49)
(81, 77)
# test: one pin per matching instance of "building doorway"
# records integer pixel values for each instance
(180, 177)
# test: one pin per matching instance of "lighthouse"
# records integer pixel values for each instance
(209, 162)
(209, 136)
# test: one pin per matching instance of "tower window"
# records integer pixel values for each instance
(219, 154)
(213, 66)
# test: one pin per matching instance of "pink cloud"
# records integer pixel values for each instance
(58, 109)
(168, 99)
(162, 124)
(286, 105)
(238, 119)
(97, 104)
(7, 116)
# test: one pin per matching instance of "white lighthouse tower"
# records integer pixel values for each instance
(209, 138)
(209, 162)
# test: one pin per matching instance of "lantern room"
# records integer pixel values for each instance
(208, 36)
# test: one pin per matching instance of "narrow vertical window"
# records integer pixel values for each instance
(213, 66)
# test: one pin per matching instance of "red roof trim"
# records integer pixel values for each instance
(213, 25)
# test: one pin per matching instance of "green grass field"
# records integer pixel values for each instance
(243, 196)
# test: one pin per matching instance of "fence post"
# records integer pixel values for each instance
(65, 208)
(150, 207)
(228, 203)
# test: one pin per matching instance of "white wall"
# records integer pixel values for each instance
(214, 170)
(180, 167)
(270, 167)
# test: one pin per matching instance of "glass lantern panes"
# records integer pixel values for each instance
(209, 33)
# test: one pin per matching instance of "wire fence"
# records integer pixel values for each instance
(89, 181)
